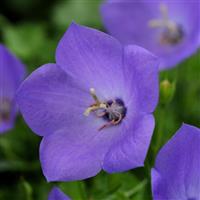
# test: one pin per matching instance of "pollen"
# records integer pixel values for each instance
(112, 111)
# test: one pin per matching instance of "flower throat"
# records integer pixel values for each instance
(4, 109)
(172, 33)
(113, 111)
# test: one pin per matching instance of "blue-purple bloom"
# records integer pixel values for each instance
(176, 174)
(57, 194)
(12, 72)
(93, 107)
(169, 29)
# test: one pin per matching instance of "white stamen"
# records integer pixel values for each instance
(164, 11)
(165, 21)
(93, 94)
(97, 105)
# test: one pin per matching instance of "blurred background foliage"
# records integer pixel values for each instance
(32, 29)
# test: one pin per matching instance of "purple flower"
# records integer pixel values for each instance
(57, 194)
(176, 173)
(169, 29)
(93, 106)
(12, 73)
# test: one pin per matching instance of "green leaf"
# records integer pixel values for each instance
(76, 190)
(85, 12)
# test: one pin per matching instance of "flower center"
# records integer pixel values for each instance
(112, 111)
(172, 33)
(5, 107)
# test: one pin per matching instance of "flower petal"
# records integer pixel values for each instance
(93, 58)
(141, 70)
(50, 100)
(66, 159)
(130, 151)
(120, 17)
(186, 14)
(12, 72)
(129, 22)
(176, 172)
(57, 194)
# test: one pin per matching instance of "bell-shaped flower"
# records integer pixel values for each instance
(93, 107)
(12, 72)
(169, 29)
(176, 172)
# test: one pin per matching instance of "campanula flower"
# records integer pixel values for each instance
(93, 107)
(169, 29)
(57, 194)
(176, 172)
(12, 72)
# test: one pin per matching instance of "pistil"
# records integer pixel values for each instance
(113, 111)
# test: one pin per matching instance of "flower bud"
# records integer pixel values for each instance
(167, 90)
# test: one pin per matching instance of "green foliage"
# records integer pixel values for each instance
(85, 12)
(30, 42)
